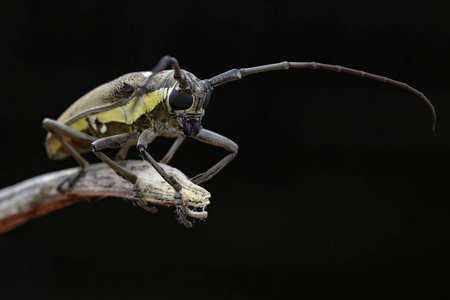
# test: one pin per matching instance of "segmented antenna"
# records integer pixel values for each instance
(236, 74)
(178, 74)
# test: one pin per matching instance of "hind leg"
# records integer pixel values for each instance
(59, 130)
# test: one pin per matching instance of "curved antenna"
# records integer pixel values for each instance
(178, 74)
(236, 74)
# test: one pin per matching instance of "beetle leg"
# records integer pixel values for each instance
(168, 157)
(146, 138)
(215, 139)
(122, 153)
(58, 129)
(171, 133)
(117, 141)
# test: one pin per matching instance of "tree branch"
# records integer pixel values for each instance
(40, 195)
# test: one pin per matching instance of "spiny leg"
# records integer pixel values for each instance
(146, 138)
(117, 141)
(215, 139)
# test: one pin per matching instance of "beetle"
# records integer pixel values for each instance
(137, 107)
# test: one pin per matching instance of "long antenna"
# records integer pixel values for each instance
(236, 74)
(178, 74)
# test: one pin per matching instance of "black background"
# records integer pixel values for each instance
(339, 188)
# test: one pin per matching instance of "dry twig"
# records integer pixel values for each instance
(37, 196)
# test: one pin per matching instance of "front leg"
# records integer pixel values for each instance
(117, 141)
(146, 138)
(215, 139)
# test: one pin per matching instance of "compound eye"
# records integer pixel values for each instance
(179, 101)
(205, 104)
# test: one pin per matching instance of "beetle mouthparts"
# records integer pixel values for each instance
(191, 126)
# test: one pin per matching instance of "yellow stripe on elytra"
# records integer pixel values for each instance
(126, 114)
(80, 124)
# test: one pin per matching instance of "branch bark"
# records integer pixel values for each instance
(38, 196)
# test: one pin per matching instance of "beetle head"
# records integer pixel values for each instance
(186, 101)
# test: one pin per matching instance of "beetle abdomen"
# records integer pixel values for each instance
(93, 114)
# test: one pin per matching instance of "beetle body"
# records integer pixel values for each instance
(136, 108)
(119, 107)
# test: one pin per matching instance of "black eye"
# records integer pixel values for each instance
(179, 100)
(205, 104)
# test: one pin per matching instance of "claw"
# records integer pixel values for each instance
(152, 209)
(141, 202)
(181, 210)
(185, 214)
(71, 181)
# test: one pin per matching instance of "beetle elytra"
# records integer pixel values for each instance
(135, 108)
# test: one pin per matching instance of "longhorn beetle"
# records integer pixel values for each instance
(137, 107)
